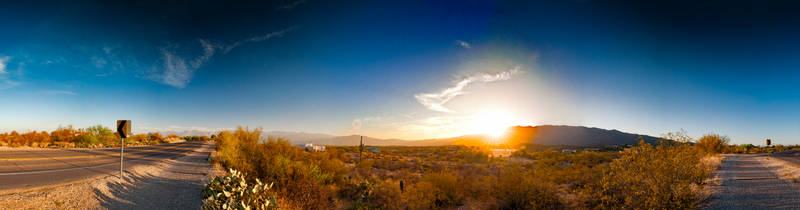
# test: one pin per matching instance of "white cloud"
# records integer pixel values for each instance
(436, 101)
(3, 64)
(178, 72)
(292, 5)
(463, 44)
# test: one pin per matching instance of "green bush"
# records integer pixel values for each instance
(196, 138)
(233, 192)
(86, 140)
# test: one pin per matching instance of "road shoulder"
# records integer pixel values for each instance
(748, 181)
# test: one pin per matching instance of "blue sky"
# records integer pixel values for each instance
(405, 69)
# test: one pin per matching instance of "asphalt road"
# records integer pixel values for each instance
(748, 183)
(37, 168)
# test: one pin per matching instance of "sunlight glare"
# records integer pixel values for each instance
(492, 122)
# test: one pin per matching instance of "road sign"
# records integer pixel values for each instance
(769, 141)
(124, 128)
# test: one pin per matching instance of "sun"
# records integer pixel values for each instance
(492, 122)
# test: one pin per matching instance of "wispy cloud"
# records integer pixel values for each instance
(360, 122)
(178, 71)
(108, 60)
(436, 101)
(57, 92)
(208, 51)
(229, 47)
(463, 44)
(98, 62)
(291, 5)
(5, 81)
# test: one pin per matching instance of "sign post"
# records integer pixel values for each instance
(123, 129)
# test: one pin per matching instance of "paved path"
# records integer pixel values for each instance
(36, 168)
(747, 183)
(173, 184)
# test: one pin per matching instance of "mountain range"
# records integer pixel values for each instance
(543, 135)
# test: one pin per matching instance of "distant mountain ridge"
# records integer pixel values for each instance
(573, 135)
(544, 135)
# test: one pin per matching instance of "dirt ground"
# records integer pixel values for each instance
(755, 181)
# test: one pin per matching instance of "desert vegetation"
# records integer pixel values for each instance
(91, 137)
(232, 191)
(666, 175)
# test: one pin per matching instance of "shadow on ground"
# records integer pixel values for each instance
(154, 192)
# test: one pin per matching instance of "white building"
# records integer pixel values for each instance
(503, 152)
(315, 148)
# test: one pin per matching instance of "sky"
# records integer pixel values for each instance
(404, 69)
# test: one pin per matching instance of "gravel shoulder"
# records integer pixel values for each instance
(170, 184)
(753, 181)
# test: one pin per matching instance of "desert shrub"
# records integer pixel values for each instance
(387, 195)
(371, 194)
(437, 190)
(747, 148)
(155, 138)
(464, 177)
(651, 177)
(233, 191)
(34, 139)
(712, 143)
(14, 139)
(298, 174)
(779, 148)
(518, 189)
(63, 134)
(138, 139)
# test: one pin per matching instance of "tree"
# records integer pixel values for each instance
(99, 130)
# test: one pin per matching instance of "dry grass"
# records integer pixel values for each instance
(789, 170)
(712, 183)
